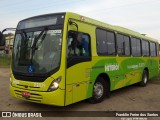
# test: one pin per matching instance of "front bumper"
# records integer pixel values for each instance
(51, 98)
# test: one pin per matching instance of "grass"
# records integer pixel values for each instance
(5, 61)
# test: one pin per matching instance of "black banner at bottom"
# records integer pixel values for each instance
(122, 114)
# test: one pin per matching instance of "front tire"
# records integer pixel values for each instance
(99, 91)
(144, 80)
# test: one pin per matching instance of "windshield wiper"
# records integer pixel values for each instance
(24, 37)
(43, 37)
(38, 37)
(34, 47)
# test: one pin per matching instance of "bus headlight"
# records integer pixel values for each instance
(55, 84)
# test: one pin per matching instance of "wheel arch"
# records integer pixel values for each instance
(105, 76)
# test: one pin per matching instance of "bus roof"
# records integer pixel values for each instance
(115, 28)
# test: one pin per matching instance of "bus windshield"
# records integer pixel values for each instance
(37, 51)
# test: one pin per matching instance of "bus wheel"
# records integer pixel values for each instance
(144, 81)
(99, 91)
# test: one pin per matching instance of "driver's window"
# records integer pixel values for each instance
(78, 44)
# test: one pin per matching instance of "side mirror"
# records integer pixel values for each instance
(2, 39)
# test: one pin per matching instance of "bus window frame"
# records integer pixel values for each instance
(148, 47)
(155, 49)
(76, 59)
(106, 30)
(129, 45)
(136, 45)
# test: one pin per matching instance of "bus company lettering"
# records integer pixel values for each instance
(136, 66)
(111, 67)
(133, 67)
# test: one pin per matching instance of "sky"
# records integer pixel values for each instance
(139, 15)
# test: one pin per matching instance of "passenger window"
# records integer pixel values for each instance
(101, 42)
(105, 42)
(136, 47)
(123, 46)
(111, 43)
(145, 48)
(153, 49)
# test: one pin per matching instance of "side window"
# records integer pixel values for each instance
(111, 43)
(145, 48)
(120, 44)
(78, 45)
(136, 47)
(153, 49)
(105, 42)
(101, 42)
(127, 45)
(123, 46)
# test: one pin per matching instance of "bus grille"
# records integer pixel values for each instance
(33, 97)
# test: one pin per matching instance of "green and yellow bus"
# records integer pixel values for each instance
(62, 58)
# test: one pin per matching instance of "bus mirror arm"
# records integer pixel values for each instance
(8, 29)
(75, 41)
(75, 24)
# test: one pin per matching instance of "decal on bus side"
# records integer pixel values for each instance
(111, 67)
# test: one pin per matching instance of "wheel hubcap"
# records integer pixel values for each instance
(98, 90)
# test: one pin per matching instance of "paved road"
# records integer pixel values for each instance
(132, 98)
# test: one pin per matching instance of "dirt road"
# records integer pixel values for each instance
(132, 98)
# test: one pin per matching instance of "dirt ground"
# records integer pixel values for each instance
(132, 98)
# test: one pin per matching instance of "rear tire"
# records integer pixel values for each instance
(144, 80)
(99, 91)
